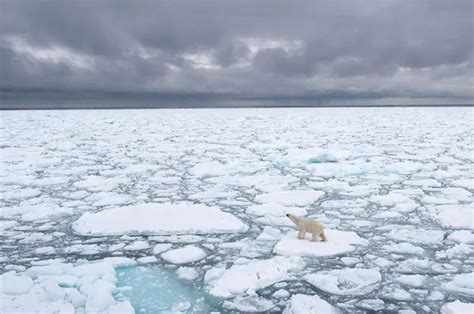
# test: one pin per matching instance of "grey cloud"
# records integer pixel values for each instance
(155, 46)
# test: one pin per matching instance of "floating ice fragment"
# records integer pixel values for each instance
(411, 280)
(248, 277)
(457, 307)
(249, 304)
(159, 219)
(137, 245)
(456, 216)
(462, 236)
(291, 198)
(462, 284)
(161, 247)
(346, 281)
(187, 273)
(275, 210)
(187, 254)
(304, 304)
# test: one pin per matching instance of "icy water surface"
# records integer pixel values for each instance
(185, 210)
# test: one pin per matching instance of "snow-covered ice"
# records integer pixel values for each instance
(347, 281)
(184, 210)
(302, 304)
(184, 255)
(158, 219)
(248, 277)
(339, 242)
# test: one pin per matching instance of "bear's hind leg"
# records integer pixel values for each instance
(301, 233)
(323, 236)
(315, 237)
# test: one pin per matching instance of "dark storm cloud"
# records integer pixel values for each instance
(266, 48)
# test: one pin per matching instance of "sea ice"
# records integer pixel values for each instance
(346, 281)
(457, 307)
(411, 280)
(184, 255)
(161, 247)
(462, 236)
(455, 216)
(158, 219)
(291, 198)
(461, 284)
(187, 273)
(275, 210)
(339, 242)
(305, 304)
(404, 248)
(247, 278)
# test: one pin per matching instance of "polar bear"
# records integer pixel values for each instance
(308, 225)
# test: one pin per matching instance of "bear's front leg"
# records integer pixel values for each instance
(301, 233)
(315, 237)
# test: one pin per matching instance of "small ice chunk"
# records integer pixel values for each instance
(147, 260)
(457, 307)
(180, 307)
(100, 297)
(187, 254)
(394, 293)
(464, 183)
(411, 280)
(347, 281)
(187, 273)
(372, 304)
(11, 283)
(247, 278)
(249, 304)
(137, 245)
(281, 294)
(455, 216)
(269, 234)
(303, 304)
(161, 247)
(275, 209)
(458, 250)
(404, 248)
(398, 201)
(291, 198)
(462, 236)
(7, 224)
(416, 235)
(338, 242)
(45, 250)
(461, 284)
(20, 194)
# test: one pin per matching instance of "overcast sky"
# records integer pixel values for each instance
(378, 48)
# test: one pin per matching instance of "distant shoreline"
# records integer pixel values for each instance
(154, 106)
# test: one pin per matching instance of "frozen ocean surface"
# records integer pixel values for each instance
(146, 211)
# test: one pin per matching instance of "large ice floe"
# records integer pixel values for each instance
(339, 242)
(158, 219)
(166, 211)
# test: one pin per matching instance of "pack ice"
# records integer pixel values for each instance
(130, 211)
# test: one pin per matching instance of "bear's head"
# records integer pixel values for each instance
(293, 218)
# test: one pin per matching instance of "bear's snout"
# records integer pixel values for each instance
(287, 215)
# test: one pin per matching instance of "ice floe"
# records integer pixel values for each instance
(290, 198)
(304, 304)
(339, 242)
(184, 255)
(158, 219)
(457, 307)
(347, 281)
(246, 278)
